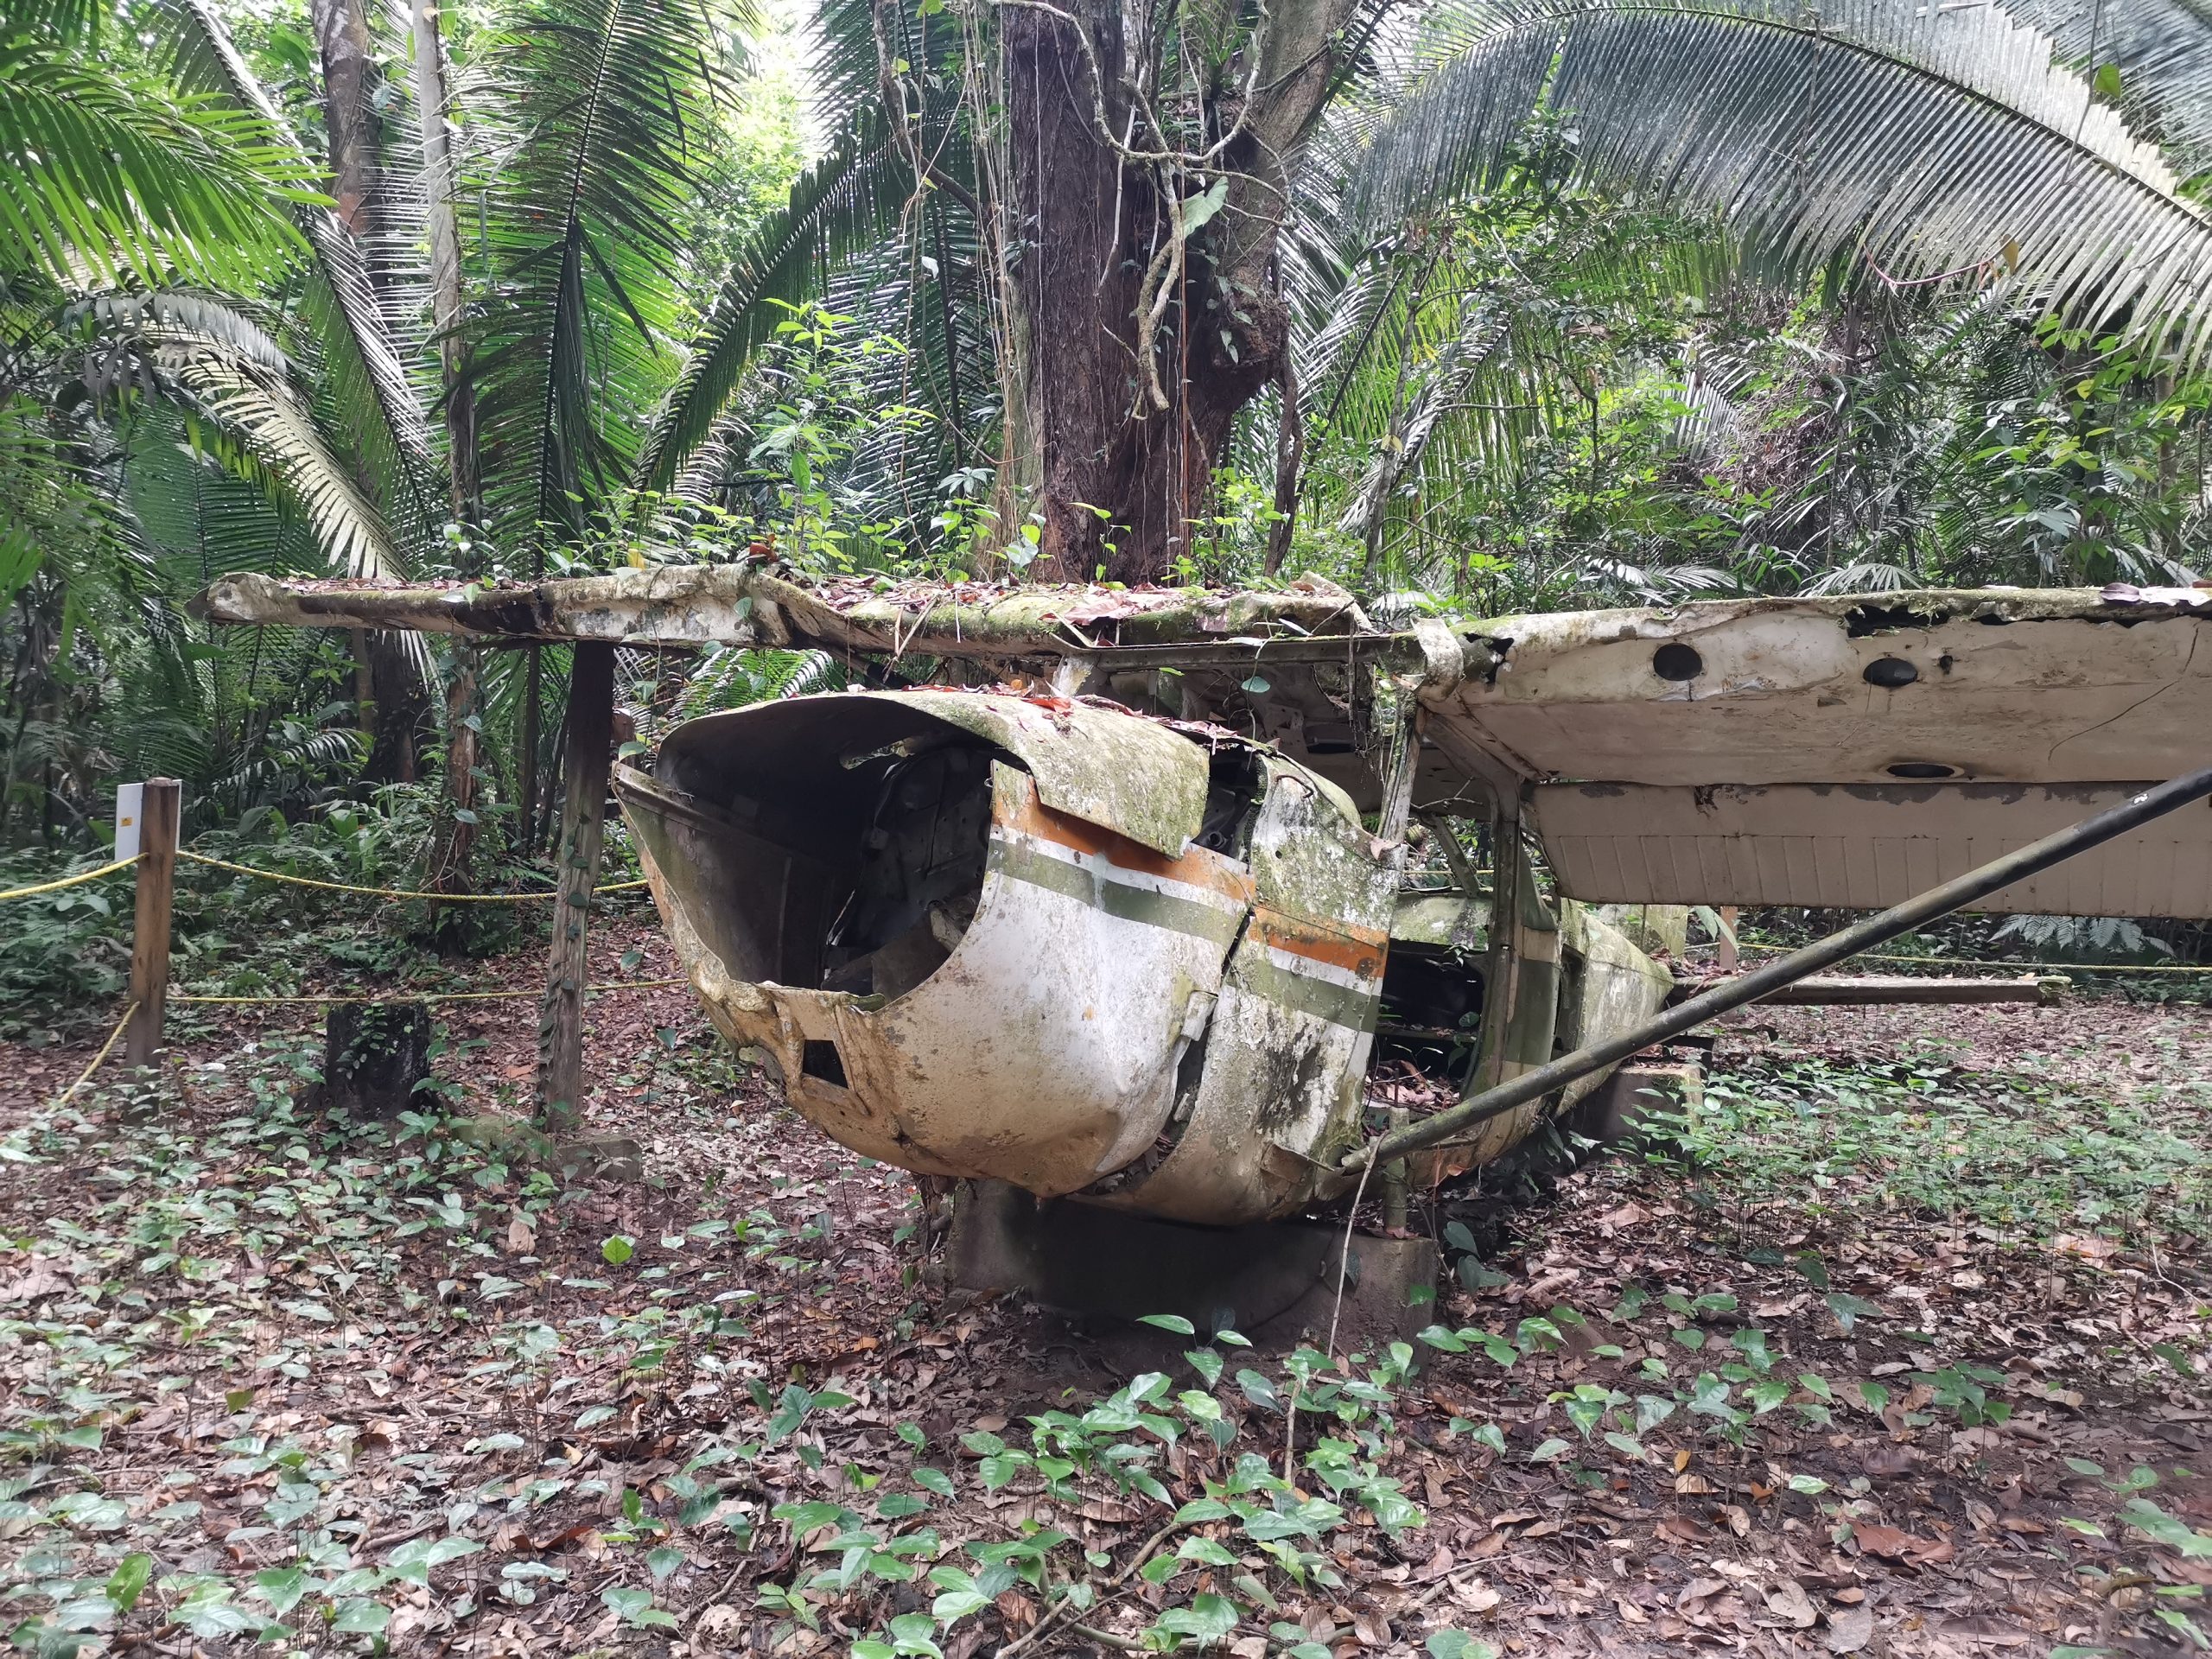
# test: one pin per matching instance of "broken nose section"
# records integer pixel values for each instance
(1056, 945)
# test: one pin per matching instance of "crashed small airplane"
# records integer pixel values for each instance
(1112, 902)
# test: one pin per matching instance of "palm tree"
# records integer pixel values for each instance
(407, 389)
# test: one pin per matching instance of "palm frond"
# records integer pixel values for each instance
(845, 202)
(370, 390)
(599, 107)
(276, 440)
(1927, 143)
(2158, 51)
(106, 174)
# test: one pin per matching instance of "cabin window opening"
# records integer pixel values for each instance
(1430, 1030)
(920, 873)
(1232, 803)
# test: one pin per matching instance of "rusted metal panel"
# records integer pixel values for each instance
(1609, 984)
(1454, 921)
(1165, 1027)
(1135, 776)
(1862, 847)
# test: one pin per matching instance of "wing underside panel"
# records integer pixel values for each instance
(1862, 847)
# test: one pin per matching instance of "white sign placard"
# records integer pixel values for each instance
(130, 799)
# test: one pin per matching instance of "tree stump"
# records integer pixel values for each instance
(373, 1056)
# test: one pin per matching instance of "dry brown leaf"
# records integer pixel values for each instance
(1851, 1629)
(720, 1626)
(1737, 1517)
(1789, 1601)
(1878, 1539)
(2088, 1246)
(35, 1281)
(1691, 1486)
(1896, 1544)
(1629, 1612)
(1983, 1630)
(1887, 1462)
(1372, 1629)
(1475, 1596)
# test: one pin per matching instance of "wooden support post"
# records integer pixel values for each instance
(583, 817)
(1724, 949)
(160, 810)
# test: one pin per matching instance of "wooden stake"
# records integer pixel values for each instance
(583, 817)
(159, 809)
(1724, 949)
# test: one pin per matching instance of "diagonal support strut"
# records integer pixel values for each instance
(1955, 894)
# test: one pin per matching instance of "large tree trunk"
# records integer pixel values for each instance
(393, 701)
(1116, 478)
(341, 36)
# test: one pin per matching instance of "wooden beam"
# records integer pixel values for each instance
(159, 809)
(583, 822)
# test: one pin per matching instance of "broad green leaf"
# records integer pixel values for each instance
(128, 1582)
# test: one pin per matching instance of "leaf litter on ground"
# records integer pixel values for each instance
(1897, 1349)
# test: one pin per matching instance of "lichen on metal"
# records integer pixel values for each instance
(751, 605)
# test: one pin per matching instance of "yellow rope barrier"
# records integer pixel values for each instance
(106, 1048)
(424, 996)
(2030, 967)
(386, 892)
(72, 880)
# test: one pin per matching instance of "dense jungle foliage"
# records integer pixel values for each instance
(1470, 306)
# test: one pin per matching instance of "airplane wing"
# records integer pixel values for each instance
(1848, 751)
(1852, 752)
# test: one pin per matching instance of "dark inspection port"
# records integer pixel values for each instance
(822, 1062)
(1891, 671)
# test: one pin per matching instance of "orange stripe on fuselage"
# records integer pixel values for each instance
(1197, 867)
(1356, 950)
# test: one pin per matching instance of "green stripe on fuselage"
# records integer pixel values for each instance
(1340, 1005)
(1217, 925)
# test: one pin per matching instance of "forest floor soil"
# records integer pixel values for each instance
(1902, 1352)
